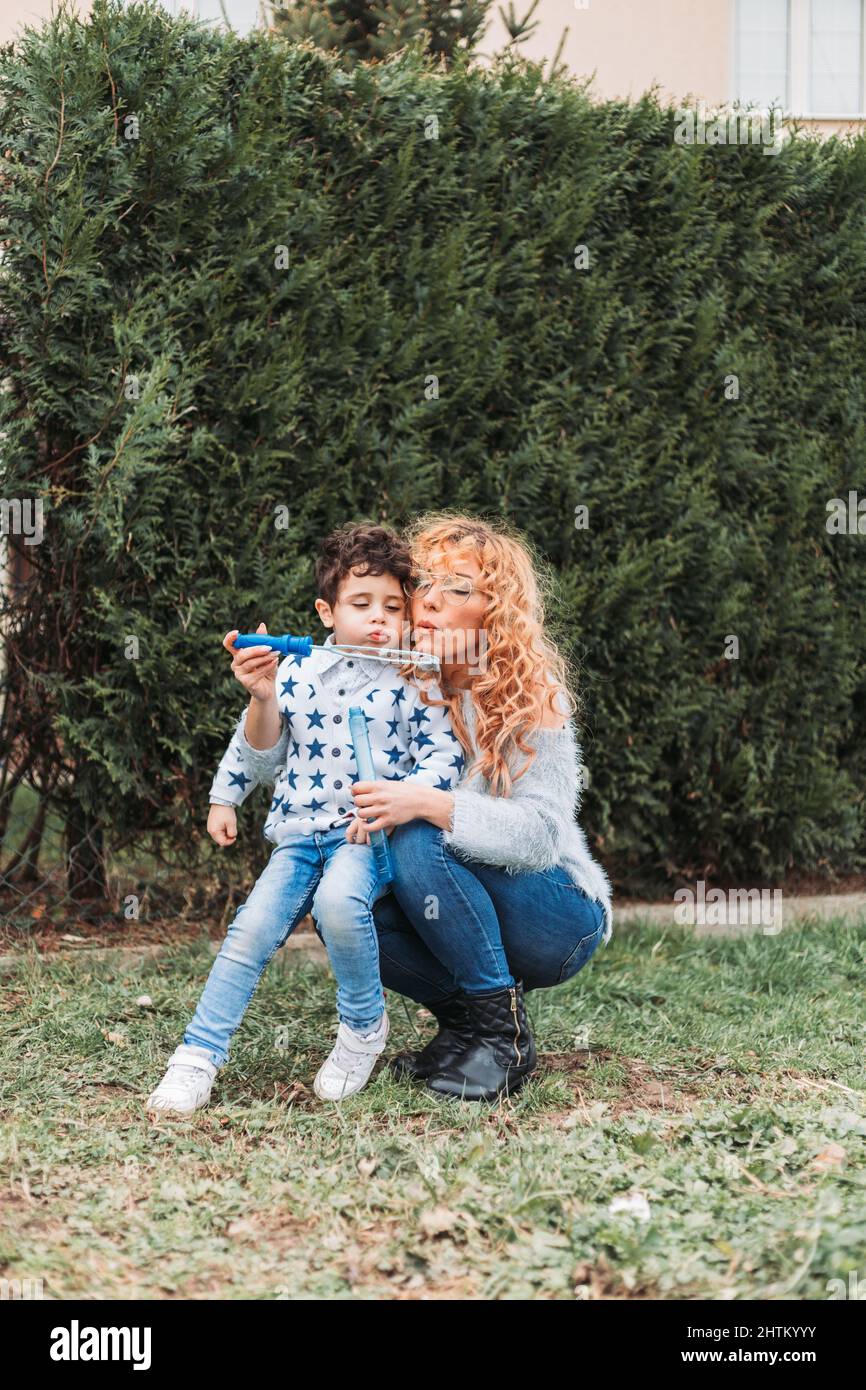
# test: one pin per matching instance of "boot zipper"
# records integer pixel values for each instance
(513, 993)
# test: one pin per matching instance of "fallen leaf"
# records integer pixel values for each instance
(288, 1094)
(832, 1157)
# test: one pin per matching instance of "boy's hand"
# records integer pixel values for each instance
(356, 832)
(222, 824)
(254, 667)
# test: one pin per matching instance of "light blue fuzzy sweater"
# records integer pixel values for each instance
(534, 827)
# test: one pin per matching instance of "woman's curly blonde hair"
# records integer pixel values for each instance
(523, 674)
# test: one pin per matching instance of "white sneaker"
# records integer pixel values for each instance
(349, 1065)
(187, 1084)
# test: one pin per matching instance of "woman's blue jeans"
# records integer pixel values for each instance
(453, 924)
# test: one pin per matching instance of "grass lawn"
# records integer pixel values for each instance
(715, 1084)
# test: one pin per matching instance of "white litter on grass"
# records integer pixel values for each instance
(144, 1001)
(635, 1204)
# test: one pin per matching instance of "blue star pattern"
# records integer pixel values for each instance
(408, 739)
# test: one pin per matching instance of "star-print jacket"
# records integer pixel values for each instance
(313, 763)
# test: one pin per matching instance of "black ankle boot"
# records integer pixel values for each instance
(502, 1052)
(454, 1036)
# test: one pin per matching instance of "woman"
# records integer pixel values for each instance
(495, 889)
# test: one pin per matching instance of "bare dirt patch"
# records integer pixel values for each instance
(642, 1088)
(78, 934)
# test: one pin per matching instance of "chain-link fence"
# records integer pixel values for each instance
(97, 883)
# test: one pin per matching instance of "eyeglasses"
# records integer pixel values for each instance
(456, 588)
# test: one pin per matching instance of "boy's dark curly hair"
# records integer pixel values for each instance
(366, 547)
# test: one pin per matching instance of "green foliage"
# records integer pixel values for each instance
(369, 30)
(430, 219)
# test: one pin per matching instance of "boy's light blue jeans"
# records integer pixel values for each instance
(322, 873)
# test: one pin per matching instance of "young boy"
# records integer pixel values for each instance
(323, 861)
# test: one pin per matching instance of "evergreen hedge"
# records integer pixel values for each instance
(170, 387)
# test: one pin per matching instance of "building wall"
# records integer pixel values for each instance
(683, 45)
(14, 14)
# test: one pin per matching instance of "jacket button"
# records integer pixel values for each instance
(341, 692)
(350, 663)
(336, 752)
(338, 785)
(338, 718)
(342, 810)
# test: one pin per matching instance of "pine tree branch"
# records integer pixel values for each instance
(53, 165)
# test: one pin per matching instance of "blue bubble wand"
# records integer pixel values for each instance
(364, 759)
(288, 645)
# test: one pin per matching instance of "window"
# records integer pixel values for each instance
(242, 15)
(763, 52)
(805, 55)
(835, 57)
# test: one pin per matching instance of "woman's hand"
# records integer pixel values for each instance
(254, 667)
(382, 805)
